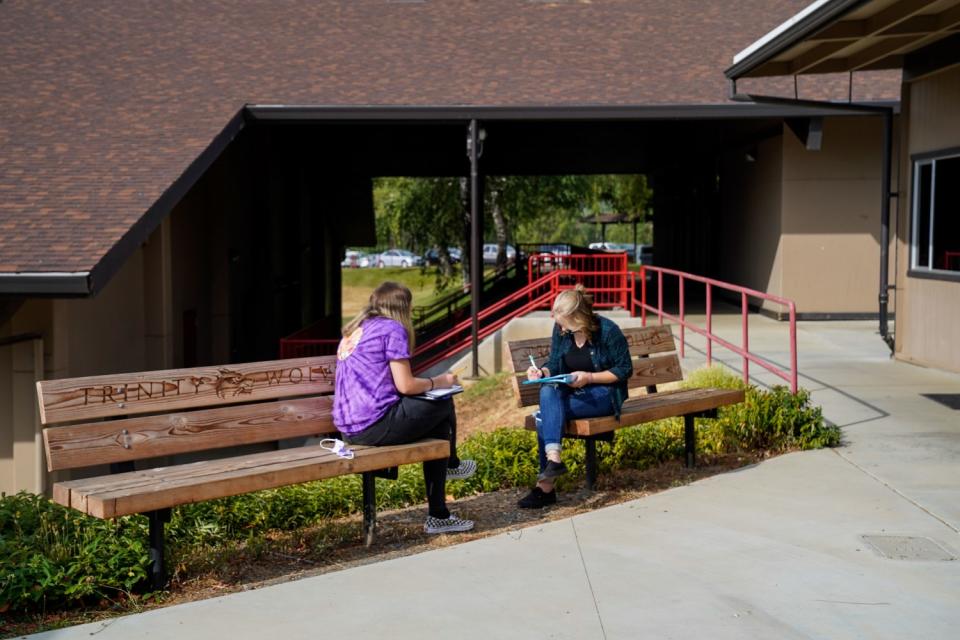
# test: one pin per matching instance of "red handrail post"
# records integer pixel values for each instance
(660, 295)
(683, 324)
(623, 280)
(793, 348)
(709, 326)
(643, 295)
(746, 337)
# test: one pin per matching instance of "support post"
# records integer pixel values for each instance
(690, 440)
(591, 460)
(369, 507)
(476, 246)
(158, 571)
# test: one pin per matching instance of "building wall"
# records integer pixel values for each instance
(21, 365)
(805, 225)
(927, 330)
(831, 218)
(105, 333)
(751, 188)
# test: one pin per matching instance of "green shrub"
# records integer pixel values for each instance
(767, 420)
(52, 556)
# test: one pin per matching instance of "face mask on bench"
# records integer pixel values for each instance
(338, 447)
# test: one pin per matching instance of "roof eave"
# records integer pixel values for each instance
(787, 35)
(41, 283)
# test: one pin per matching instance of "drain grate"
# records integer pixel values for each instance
(908, 548)
(951, 400)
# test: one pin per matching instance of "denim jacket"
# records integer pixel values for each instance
(608, 351)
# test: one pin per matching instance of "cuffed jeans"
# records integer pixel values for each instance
(559, 403)
(414, 419)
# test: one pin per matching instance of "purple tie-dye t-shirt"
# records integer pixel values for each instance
(364, 389)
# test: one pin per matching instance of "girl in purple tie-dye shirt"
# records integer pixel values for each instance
(375, 399)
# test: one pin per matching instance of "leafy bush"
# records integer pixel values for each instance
(773, 420)
(53, 556)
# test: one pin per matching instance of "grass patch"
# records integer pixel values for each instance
(358, 284)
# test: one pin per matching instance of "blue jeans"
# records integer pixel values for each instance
(559, 403)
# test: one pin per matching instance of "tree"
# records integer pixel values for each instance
(418, 214)
(421, 213)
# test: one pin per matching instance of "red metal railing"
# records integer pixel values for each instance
(707, 332)
(612, 285)
(604, 274)
(536, 295)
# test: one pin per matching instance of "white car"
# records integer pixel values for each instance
(398, 258)
(354, 259)
(490, 253)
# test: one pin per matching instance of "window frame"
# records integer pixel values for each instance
(916, 162)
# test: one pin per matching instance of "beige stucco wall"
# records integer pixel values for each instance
(805, 225)
(831, 218)
(115, 331)
(751, 193)
(21, 365)
(927, 329)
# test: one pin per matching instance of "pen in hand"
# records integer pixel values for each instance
(533, 367)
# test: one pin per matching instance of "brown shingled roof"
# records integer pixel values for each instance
(105, 104)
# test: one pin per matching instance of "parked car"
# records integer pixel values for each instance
(354, 259)
(490, 253)
(645, 250)
(398, 258)
(432, 256)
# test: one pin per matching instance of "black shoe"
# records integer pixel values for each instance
(552, 470)
(537, 499)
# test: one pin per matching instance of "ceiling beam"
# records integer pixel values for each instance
(865, 57)
(889, 17)
(817, 54)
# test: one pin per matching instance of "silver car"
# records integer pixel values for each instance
(398, 258)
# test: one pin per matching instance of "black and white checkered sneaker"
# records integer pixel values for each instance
(453, 524)
(466, 469)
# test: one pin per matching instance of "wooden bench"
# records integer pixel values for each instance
(118, 420)
(649, 370)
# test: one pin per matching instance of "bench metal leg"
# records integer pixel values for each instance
(690, 440)
(369, 507)
(591, 460)
(158, 571)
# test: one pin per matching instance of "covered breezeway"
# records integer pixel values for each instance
(292, 187)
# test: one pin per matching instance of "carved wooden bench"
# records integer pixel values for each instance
(118, 420)
(648, 372)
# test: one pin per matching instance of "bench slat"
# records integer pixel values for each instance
(652, 407)
(93, 397)
(646, 372)
(643, 341)
(84, 445)
(141, 491)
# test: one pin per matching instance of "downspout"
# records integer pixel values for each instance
(884, 297)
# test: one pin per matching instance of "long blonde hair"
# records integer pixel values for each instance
(389, 300)
(577, 306)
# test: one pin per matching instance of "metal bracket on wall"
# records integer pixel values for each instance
(808, 130)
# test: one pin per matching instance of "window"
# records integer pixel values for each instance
(935, 244)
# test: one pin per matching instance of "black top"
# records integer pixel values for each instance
(578, 358)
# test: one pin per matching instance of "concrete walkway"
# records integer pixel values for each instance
(776, 550)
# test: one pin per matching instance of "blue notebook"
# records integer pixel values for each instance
(563, 378)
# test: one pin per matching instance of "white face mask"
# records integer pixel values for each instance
(338, 447)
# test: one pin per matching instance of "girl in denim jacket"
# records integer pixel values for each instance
(592, 349)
